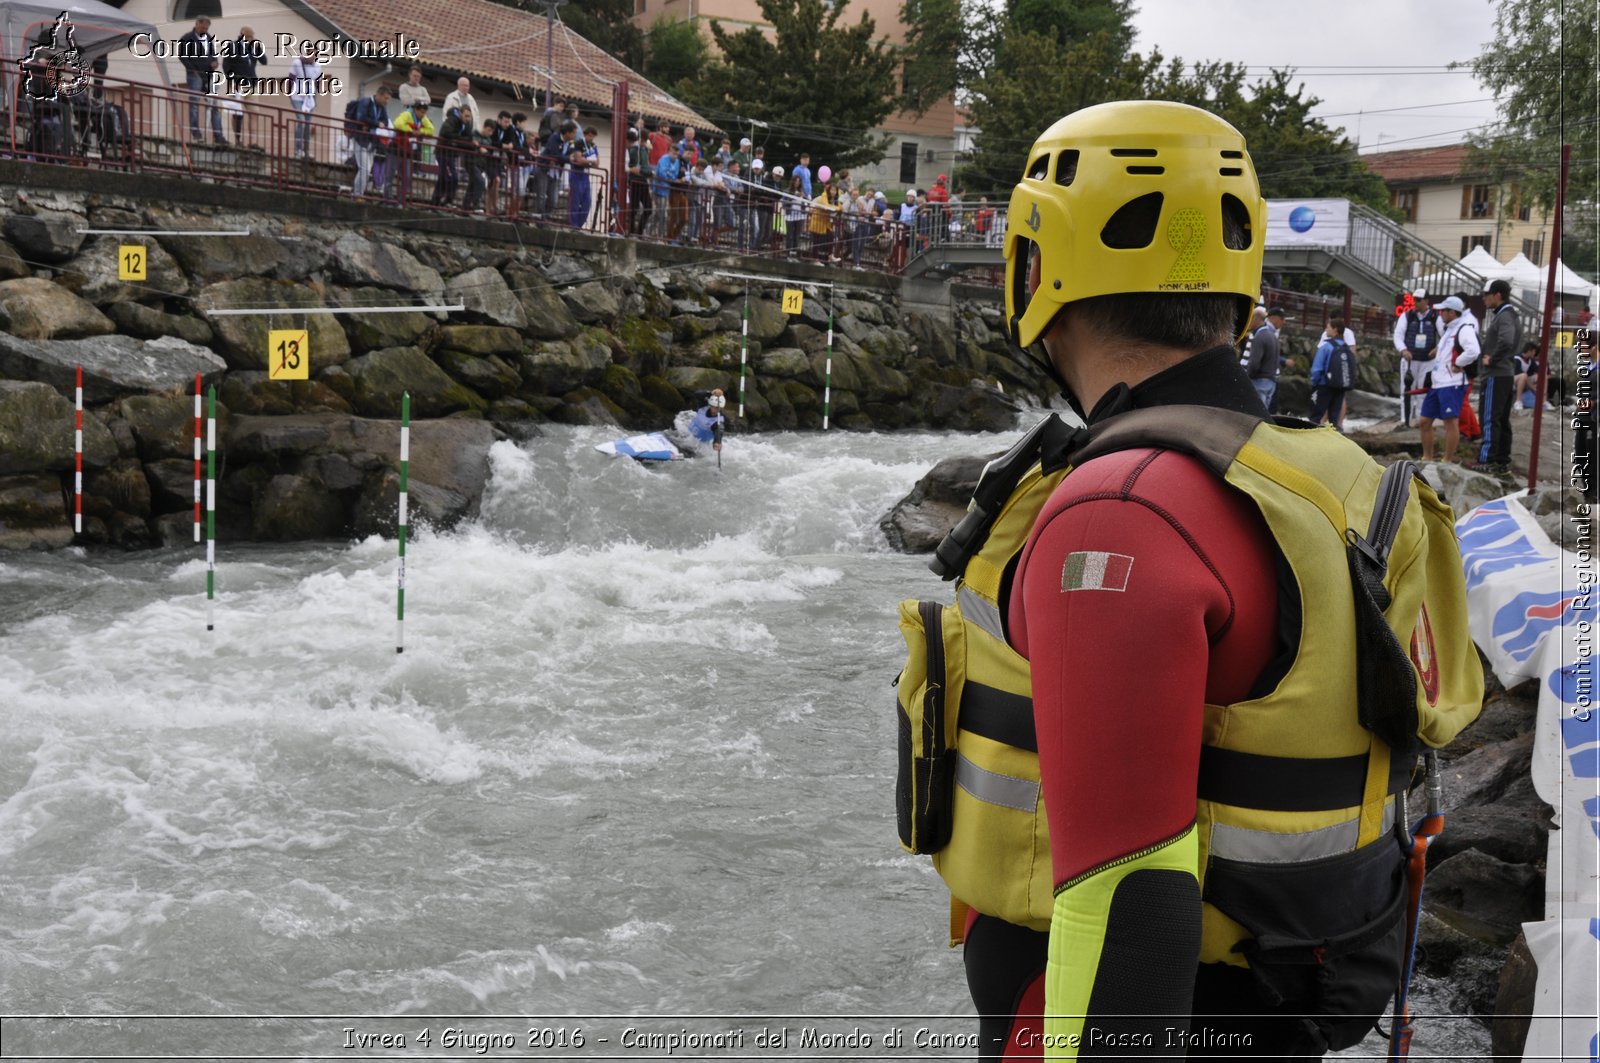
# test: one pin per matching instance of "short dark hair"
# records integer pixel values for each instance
(591, 131)
(384, 90)
(1337, 322)
(1500, 287)
(568, 126)
(1531, 347)
(519, 117)
(503, 114)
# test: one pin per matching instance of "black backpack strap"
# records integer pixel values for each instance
(1386, 682)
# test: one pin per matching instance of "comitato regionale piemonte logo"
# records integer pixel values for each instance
(54, 66)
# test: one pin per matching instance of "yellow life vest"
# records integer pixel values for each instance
(1287, 779)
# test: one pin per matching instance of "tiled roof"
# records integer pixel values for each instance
(495, 43)
(1418, 164)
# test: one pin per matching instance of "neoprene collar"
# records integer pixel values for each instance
(1210, 378)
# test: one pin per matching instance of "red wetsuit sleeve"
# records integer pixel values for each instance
(1147, 589)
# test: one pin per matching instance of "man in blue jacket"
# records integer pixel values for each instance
(371, 119)
(197, 51)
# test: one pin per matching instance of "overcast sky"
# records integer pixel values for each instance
(1353, 55)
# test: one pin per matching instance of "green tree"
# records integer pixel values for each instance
(931, 57)
(818, 83)
(675, 52)
(1073, 21)
(1540, 65)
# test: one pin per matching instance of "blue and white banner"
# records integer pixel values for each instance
(1308, 222)
(1532, 610)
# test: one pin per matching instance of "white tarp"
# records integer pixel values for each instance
(1485, 265)
(1308, 222)
(1532, 611)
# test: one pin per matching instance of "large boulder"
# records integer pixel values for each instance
(46, 235)
(36, 431)
(146, 322)
(291, 507)
(787, 362)
(1484, 896)
(38, 309)
(977, 408)
(557, 367)
(546, 312)
(11, 264)
(1461, 489)
(112, 365)
(920, 520)
(163, 425)
(220, 258)
(486, 297)
(33, 514)
(593, 303)
(358, 261)
(1493, 806)
(98, 263)
(383, 376)
(373, 332)
(487, 375)
(449, 469)
(480, 340)
(244, 338)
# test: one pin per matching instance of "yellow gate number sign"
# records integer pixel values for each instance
(288, 354)
(793, 300)
(131, 263)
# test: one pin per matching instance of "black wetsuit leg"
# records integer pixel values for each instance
(1002, 961)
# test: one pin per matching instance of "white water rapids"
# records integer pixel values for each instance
(637, 758)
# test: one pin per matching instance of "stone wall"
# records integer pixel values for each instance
(573, 330)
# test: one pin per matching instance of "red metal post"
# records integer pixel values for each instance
(621, 199)
(1549, 308)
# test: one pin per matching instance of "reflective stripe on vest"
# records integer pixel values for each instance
(980, 612)
(1007, 791)
(1252, 846)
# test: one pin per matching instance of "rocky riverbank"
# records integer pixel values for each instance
(596, 333)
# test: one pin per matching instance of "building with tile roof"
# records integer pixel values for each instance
(501, 49)
(1451, 204)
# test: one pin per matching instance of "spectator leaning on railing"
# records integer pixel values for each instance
(639, 172)
(303, 74)
(368, 120)
(584, 156)
(455, 138)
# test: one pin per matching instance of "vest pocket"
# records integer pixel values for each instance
(925, 776)
(1328, 933)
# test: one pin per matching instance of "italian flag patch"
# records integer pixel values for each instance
(1095, 570)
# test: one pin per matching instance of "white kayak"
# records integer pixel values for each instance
(651, 446)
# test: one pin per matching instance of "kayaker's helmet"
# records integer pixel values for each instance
(717, 400)
(1133, 196)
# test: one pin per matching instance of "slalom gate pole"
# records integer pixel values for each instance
(197, 475)
(211, 508)
(827, 370)
(744, 353)
(405, 470)
(77, 457)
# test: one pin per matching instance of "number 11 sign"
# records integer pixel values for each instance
(288, 355)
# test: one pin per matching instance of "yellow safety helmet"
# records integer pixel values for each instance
(1168, 175)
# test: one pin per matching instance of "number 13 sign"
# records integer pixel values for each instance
(288, 355)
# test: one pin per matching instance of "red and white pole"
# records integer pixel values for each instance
(77, 451)
(197, 457)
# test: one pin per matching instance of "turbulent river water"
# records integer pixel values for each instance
(637, 759)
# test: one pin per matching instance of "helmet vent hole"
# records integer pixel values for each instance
(1039, 169)
(1231, 171)
(1233, 155)
(1066, 167)
(1236, 234)
(1134, 224)
(1133, 153)
(1147, 169)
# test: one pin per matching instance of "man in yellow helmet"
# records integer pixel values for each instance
(1224, 708)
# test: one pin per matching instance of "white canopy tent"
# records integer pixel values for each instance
(1524, 274)
(97, 29)
(1481, 262)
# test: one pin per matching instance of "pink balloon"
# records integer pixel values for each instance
(823, 174)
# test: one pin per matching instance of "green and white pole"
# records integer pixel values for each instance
(211, 507)
(744, 350)
(405, 472)
(827, 371)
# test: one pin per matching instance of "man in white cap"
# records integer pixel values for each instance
(1416, 333)
(1457, 347)
(742, 156)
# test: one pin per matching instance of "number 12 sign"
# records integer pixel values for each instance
(288, 354)
(131, 263)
